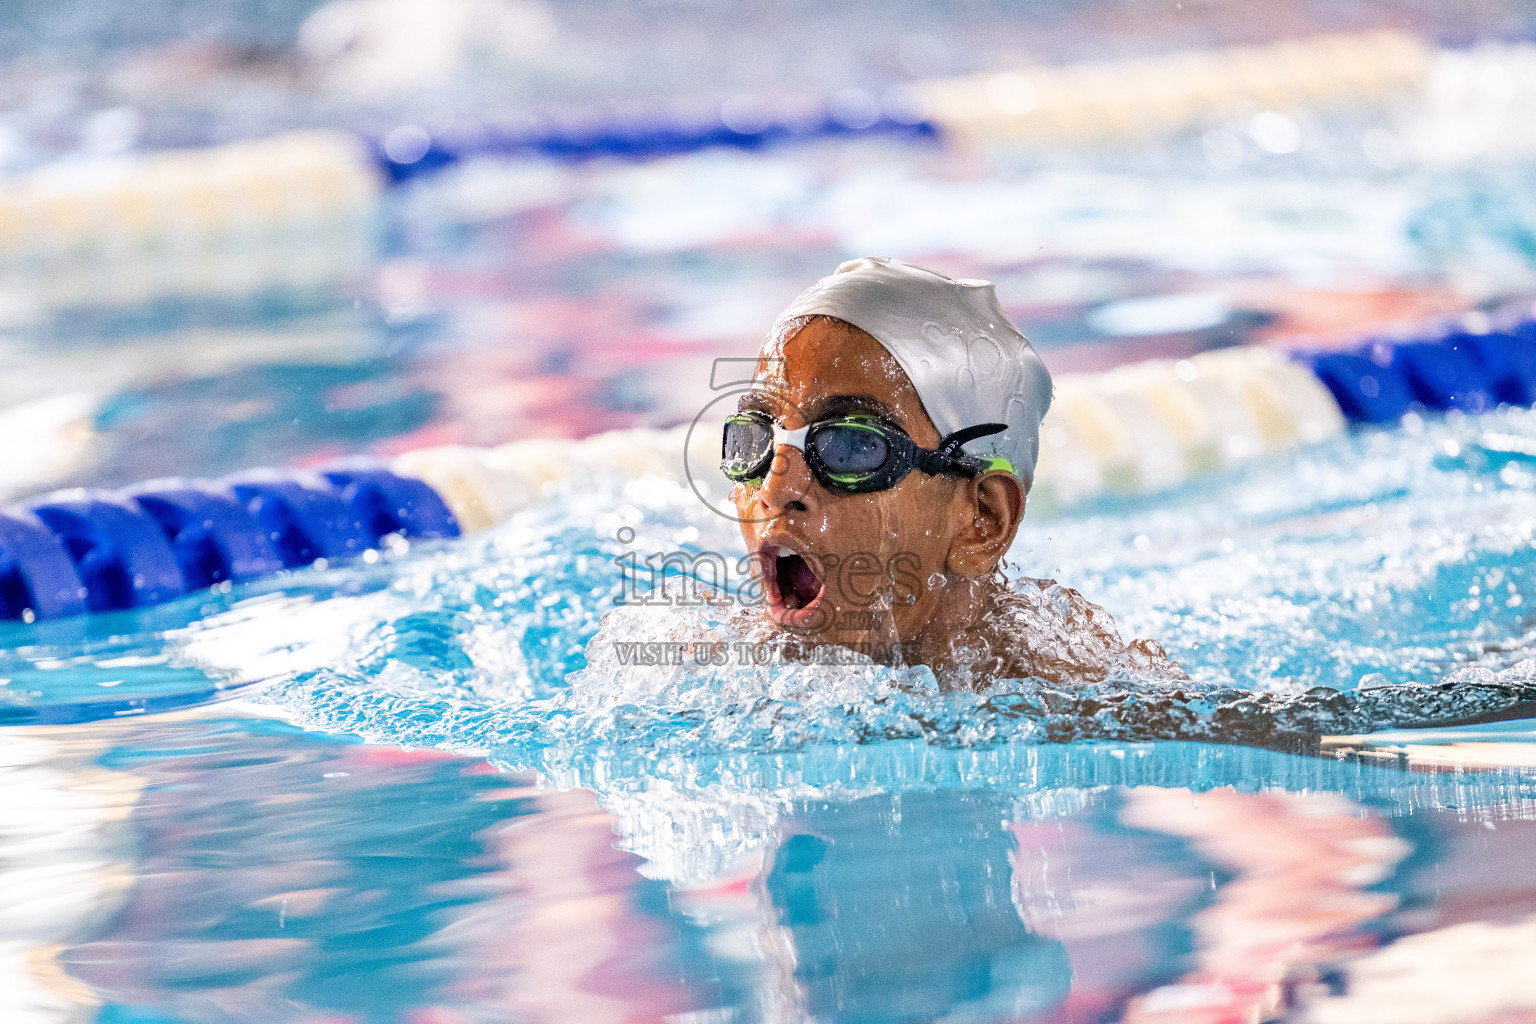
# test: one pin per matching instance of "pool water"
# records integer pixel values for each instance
(418, 790)
(425, 788)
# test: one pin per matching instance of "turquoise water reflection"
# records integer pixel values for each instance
(255, 872)
(275, 875)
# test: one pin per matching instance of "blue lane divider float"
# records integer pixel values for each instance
(302, 515)
(383, 502)
(93, 551)
(212, 535)
(37, 577)
(122, 557)
(1380, 382)
(410, 152)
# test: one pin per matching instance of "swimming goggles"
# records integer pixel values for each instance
(856, 454)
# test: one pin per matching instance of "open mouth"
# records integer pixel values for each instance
(791, 580)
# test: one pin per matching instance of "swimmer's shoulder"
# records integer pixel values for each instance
(1071, 637)
(1057, 599)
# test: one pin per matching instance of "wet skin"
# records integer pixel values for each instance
(913, 564)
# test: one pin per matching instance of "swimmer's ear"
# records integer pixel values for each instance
(989, 508)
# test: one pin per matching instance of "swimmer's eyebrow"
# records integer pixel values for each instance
(843, 405)
(834, 405)
(755, 401)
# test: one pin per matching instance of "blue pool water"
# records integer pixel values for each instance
(419, 790)
(424, 789)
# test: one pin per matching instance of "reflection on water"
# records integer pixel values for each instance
(184, 869)
(903, 910)
(277, 876)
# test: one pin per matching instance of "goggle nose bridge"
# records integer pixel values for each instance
(793, 438)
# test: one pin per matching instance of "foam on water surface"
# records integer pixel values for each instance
(1379, 580)
(1392, 568)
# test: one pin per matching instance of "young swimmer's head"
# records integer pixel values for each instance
(923, 403)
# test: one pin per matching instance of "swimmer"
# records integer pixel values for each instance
(881, 466)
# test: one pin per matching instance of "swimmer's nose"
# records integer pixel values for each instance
(786, 483)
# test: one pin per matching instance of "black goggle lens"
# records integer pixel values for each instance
(746, 448)
(851, 452)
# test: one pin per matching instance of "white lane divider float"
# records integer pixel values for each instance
(1148, 96)
(1148, 426)
(291, 211)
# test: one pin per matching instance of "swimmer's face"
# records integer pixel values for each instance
(862, 568)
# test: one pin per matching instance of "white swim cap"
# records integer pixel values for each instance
(969, 364)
